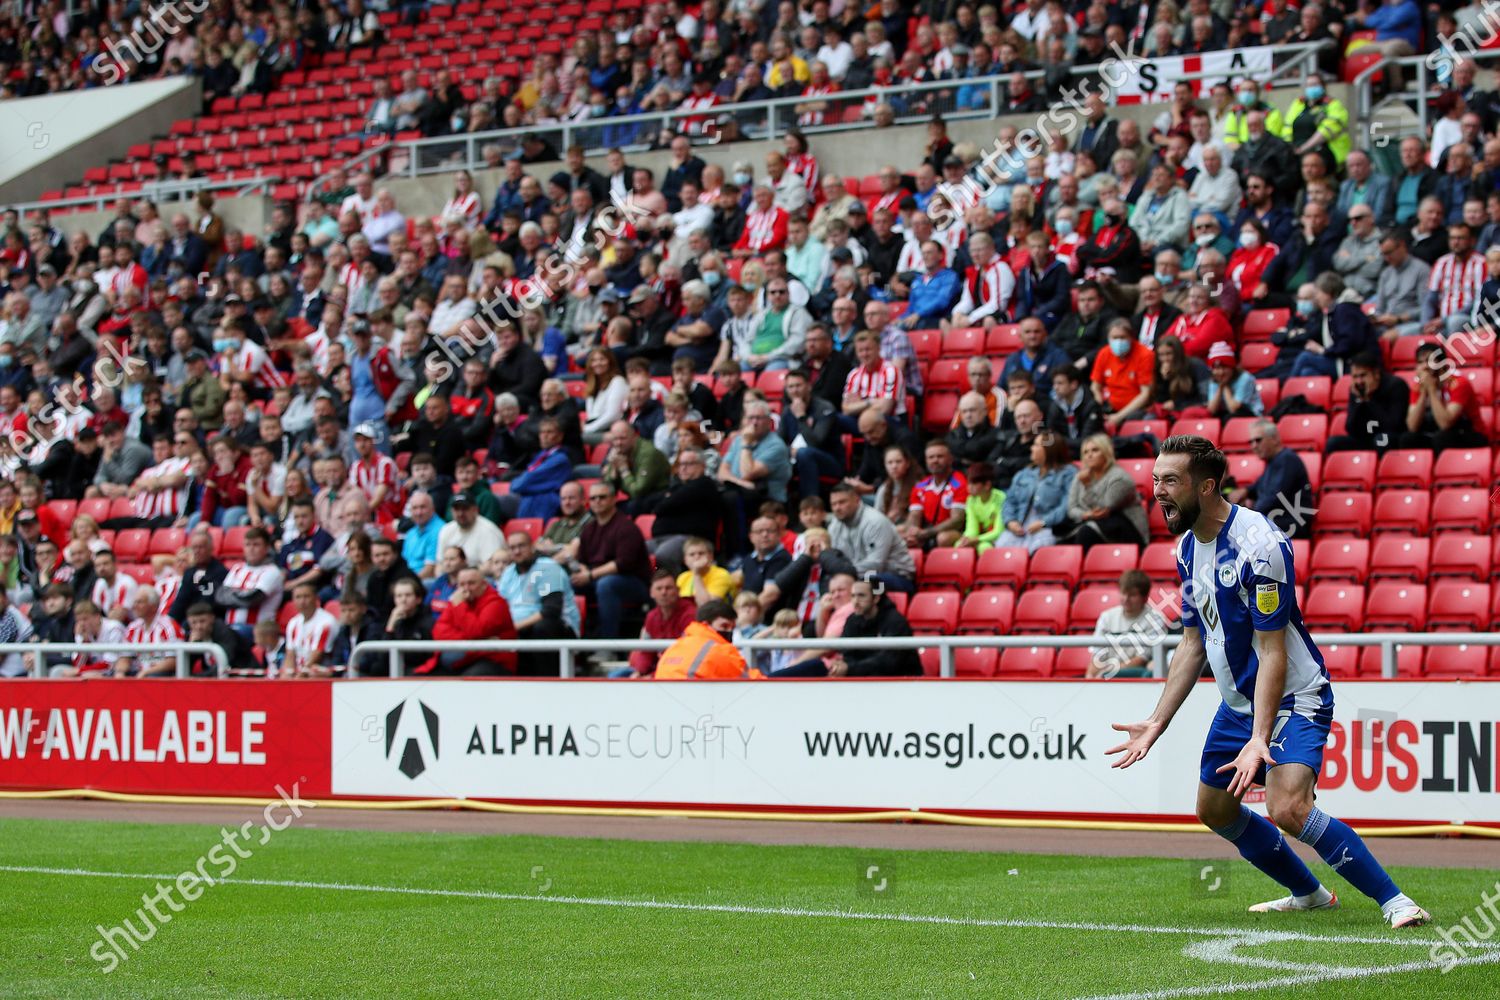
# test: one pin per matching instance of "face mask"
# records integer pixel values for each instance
(1304, 307)
(1314, 93)
(1064, 227)
(741, 178)
(1166, 279)
(1244, 99)
(1249, 240)
(712, 278)
(221, 345)
(597, 111)
(1119, 346)
(6, 360)
(1206, 239)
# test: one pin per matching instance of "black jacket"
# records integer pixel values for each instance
(201, 583)
(445, 444)
(819, 428)
(1379, 421)
(881, 662)
(971, 445)
(1080, 337)
(237, 651)
(691, 507)
(793, 580)
(370, 664)
(522, 372)
(828, 380)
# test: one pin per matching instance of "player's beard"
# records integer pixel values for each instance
(1180, 518)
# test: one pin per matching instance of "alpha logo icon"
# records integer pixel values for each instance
(419, 729)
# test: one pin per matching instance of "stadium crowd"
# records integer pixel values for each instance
(542, 409)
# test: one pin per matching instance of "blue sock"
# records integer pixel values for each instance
(1261, 844)
(1347, 854)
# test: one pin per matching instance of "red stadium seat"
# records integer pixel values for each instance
(1158, 428)
(987, 612)
(1406, 511)
(1316, 389)
(898, 598)
(1002, 567)
(933, 613)
(121, 507)
(1257, 357)
(1341, 559)
(166, 541)
(1236, 437)
(1304, 431)
(962, 342)
(1042, 609)
(1396, 606)
(1483, 380)
(948, 568)
(1003, 340)
(95, 507)
(1140, 473)
(1462, 467)
(285, 615)
(976, 661)
(1105, 563)
(1465, 555)
(1350, 470)
(65, 510)
(1209, 428)
(232, 548)
(917, 555)
(1404, 351)
(1458, 605)
(947, 375)
(131, 545)
(938, 409)
(1461, 509)
(771, 382)
(1405, 469)
(1157, 523)
(1088, 605)
(1312, 461)
(1027, 661)
(1301, 557)
(1341, 661)
(926, 343)
(1394, 558)
(1159, 562)
(1408, 661)
(1167, 598)
(1455, 662)
(1261, 323)
(1245, 469)
(1346, 513)
(1072, 661)
(1056, 564)
(1338, 606)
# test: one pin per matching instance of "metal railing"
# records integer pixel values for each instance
(180, 652)
(1364, 85)
(566, 649)
(156, 191)
(757, 120)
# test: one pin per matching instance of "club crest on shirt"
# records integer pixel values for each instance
(1267, 598)
(1227, 575)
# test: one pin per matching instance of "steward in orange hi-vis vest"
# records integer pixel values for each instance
(704, 654)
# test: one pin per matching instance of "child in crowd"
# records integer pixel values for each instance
(703, 581)
(786, 625)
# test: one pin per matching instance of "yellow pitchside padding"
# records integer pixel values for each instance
(881, 816)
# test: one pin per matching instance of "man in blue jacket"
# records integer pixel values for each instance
(534, 492)
(1044, 284)
(933, 291)
(1398, 32)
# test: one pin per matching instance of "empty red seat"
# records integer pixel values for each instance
(1350, 470)
(1257, 357)
(772, 382)
(1408, 661)
(1335, 606)
(1245, 469)
(233, 545)
(1003, 339)
(938, 409)
(1317, 389)
(962, 342)
(933, 613)
(1157, 428)
(1235, 439)
(947, 375)
(1456, 554)
(121, 507)
(949, 568)
(1088, 605)
(1406, 511)
(1396, 606)
(1057, 564)
(1027, 661)
(1407, 468)
(1261, 323)
(1341, 559)
(131, 545)
(1462, 467)
(1346, 513)
(1456, 662)
(1458, 604)
(95, 507)
(1312, 461)
(1159, 562)
(1042, 610)
(166, 541)
(1209, 428)
(976, 661)
(926, 343)
(1395, 558)
(1341, 661)
(1105, 563)
(1140, 473)
(1304, 431)
(1002, 567)
(1072, 661)
(1461, 509)
(987, 612)
(65, 510)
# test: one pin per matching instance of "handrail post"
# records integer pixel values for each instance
(395, 663)
(945, 661)
(182, 665)
(1388, 660)
(565, 661)
(1158, 660)
(39, 664)
(1422, 96)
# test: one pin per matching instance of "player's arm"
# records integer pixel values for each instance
(1183, 672)
(1270, 688)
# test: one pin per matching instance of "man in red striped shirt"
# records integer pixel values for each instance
(159, 497)
(875, 385)
(376, 475)
(1454, 284)
(765, 225)
(309, 635)
(113, 591)
(251, 590)
(150, 625)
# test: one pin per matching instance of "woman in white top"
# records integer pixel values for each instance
(465, 203)
(605, 400)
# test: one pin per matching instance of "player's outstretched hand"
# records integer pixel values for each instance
(1142, 735)
(1247, 766)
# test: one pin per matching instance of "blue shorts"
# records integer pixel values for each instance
(1295, 739)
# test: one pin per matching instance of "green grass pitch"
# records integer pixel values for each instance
(533, 917)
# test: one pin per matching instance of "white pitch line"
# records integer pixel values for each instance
(1240, 934)
(770, 911)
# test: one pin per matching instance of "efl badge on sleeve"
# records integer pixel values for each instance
(1267, 598)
